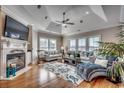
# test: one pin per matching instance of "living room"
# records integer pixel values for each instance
(63, 46)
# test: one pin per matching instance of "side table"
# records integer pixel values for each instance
(60, 59)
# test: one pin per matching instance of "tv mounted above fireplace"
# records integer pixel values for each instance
(15, 29)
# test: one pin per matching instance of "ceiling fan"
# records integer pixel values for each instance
(65, 21)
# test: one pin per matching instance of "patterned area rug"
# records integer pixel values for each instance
(64, 71)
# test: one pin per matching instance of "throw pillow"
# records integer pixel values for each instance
(101, 62)
(92, 59)
(71, 56)
(120, 59)
(101, 57)
(111, 59)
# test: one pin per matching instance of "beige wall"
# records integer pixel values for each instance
(34, 46)
(107, 35)
(2, 22)
(30, 38)
(52, 36)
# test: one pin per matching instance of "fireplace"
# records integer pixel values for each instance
(13, 52)
(16, 58)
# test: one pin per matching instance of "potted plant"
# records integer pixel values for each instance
(115, 72)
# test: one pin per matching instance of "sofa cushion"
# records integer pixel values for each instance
(101, 57)
(103, 63)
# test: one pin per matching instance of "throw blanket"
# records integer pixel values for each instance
(89, 71)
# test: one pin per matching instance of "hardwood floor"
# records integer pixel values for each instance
(40, 78)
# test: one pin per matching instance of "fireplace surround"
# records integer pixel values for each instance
(13, 51)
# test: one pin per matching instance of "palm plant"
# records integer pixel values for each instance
(111, 49)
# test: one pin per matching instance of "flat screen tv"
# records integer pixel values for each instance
(16, 30)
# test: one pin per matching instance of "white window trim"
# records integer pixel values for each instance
(55, 45)
(48, 43)
(87, 41)
(100, 38)
(82, 46)
(70, 46)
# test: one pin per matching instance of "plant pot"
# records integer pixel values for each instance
(115, 80)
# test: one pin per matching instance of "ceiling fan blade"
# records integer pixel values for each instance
(59, 22)
(67, 19)
(58, 25)
(64, 17)
(70, 23)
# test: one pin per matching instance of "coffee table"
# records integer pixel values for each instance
(71, 61)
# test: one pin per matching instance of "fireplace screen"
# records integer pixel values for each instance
(18, 59)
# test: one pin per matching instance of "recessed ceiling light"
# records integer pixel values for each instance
(81, 21)
(46, 17)
(87, 12)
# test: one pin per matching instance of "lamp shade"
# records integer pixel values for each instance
(62, 48)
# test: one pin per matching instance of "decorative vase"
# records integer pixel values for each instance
(7, 72)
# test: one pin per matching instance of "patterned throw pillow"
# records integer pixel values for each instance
(111, 59)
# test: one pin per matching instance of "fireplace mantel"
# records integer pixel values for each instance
(7, 46)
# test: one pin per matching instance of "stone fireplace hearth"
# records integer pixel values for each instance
(12, 51)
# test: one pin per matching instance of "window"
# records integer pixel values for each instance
(47, 44)
(72, 44)
(52, 44)
(93, 43)
(82, 44)
(43, 44)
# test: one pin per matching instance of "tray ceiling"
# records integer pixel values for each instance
(44, 18)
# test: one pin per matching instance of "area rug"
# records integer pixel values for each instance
(65, 71)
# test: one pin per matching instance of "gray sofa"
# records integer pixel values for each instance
(48, 55)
